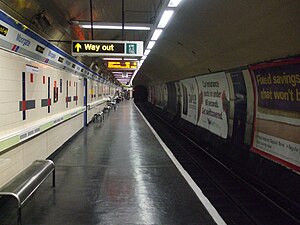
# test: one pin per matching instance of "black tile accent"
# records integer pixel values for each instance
(23, 94)
(60, 59)
(60, 85)
(20, 105)
(40, 49)
(44, 102)
(49, 82)
(30, 104)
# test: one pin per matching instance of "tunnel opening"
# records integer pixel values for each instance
(140, 93)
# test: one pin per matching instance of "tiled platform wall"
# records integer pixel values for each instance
(24, 102)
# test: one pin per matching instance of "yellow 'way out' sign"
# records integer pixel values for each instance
(107, 48)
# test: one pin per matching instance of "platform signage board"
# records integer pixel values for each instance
(122, 65)
(107, 48)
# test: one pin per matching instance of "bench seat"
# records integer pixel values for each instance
(25, 183)
(106, 109)
(98, 115)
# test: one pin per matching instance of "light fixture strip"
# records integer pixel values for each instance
(112, 59)
(156, 34)
(147, 51)
(119, 59)
(165, 18)
(111, 27)
(151, 44)
(174, 3)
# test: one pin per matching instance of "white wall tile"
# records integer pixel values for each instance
(34, 149)
(11, 68)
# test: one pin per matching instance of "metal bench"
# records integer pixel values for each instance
(97, 116)
(106, 109)
(24, 184)
(112, 104)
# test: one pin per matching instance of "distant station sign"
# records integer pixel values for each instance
(122, 65)
(107, 48)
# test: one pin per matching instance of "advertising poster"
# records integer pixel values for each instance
(158, 95)
(213, 103)
(189, 99)
(150, 94)
(165, 96)
(172, 98)
(277, 112)
(178, 91)
(161, 94)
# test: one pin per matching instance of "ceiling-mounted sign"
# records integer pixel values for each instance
(107, 48)
(122, 65)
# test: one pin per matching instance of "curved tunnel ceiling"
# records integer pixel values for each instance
(60, 27)
(207, 36)
(204, 35)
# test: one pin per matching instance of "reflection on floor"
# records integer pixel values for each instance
(113, 172)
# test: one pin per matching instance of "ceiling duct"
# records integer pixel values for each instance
(41, 20)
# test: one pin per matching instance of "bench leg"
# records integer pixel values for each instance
(19, 216)
(53, 178)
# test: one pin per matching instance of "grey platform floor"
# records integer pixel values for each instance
(113, 173)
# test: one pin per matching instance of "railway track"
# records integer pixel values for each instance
(238, 200)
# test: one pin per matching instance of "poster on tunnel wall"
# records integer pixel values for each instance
(213, 103)
(164, 95)
(276, 132)
(150, 94)
(189, 99)
(178, 95)
(161, 93)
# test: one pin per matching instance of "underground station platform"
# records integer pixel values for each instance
(112, 172)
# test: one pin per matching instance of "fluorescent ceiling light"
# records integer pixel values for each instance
(174, 3)
(147, 51)
(119, 59)
(114, 26)
(151, 44)
(156, 34)
(131, 59)
(112, 59)
(165, 18)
